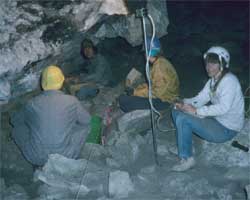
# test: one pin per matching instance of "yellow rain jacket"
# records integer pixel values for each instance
(164, 79)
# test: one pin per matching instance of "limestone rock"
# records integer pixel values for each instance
(120, 184)
(135, 121)
(225, 154)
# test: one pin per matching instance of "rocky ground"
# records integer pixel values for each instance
(125, 167)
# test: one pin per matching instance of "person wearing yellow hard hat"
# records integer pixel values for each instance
(51, 122)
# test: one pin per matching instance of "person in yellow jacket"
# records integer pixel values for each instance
(164, 80)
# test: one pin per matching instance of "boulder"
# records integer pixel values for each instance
(225, 154)
(136, 121)
(120, 184)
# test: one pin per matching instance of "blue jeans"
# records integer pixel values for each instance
(207, 128)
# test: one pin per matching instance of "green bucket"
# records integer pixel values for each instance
(95, 131)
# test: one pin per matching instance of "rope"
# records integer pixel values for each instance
(152, 109)
(247, 96)
(158, 122)
(84, 172)
(148, 71)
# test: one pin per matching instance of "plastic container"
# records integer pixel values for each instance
(95, 131)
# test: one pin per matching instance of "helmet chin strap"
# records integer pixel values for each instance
(221, 66)
(216, 76)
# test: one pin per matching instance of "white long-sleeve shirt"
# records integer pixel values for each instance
(227, 102)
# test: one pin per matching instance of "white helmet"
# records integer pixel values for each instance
(221, 52)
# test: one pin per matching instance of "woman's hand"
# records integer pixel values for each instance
(188, 108)
(180, 105)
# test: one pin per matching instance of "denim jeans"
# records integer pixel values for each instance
(207, 128)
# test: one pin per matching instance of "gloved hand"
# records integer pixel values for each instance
(129, 91)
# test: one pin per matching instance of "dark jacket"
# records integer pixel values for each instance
(99, 70)
(50, 123)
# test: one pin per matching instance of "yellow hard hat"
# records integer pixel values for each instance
(52, 78)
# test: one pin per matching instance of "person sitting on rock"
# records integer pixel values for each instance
(51, 122)
(98, 68)
(164, 79)
(216, 114)
(97, 72)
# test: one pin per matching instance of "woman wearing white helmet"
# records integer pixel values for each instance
(216, 114)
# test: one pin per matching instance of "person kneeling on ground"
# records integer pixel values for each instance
(97, 71)
(216, 122)
(97, 66)
(51, 122)
(165, 83)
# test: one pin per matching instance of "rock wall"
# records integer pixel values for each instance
(130, 27)
(36, 33)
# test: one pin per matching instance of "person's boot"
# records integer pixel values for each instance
(184, 164)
